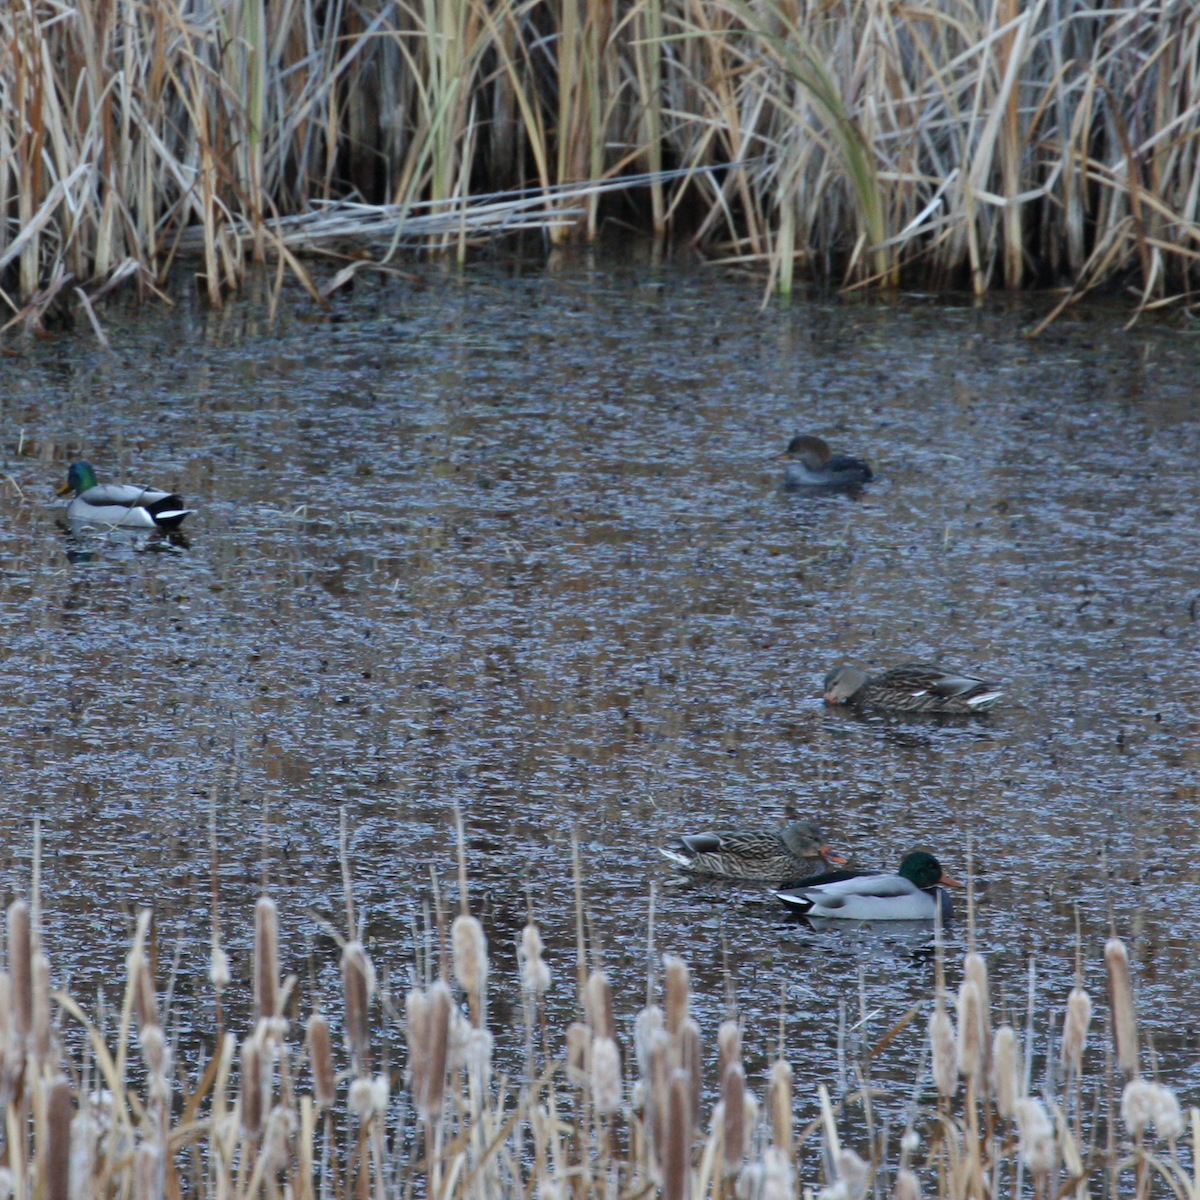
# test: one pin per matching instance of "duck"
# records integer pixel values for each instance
(812, 464)
(914, 893)
(119, 505)
(793, 851)
(912, 688)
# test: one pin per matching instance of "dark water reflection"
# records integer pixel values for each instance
(515, 540)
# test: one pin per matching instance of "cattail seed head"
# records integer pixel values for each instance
(218, 969)
(20, 968)
(1120, 997)
(1006, 1070)
(147, 1172)
(1144, 1103)
(598, 1005)
(676, 1159)
(658, 1076)
(358, 985)
(281, 1122)
(971, 1055)
(907, 1185)
(59, 1111)
(360, 1099)
(579, 1046)
(470, 954)
(266, 958)
(975, 969)
(778, 1175)
(688, 1058)
(733, 1130)
(479, 1059)
(145, 998)
(1037, 1145)
(429, 1055)
(535, 973)
(1168, 1120)
(154, 1048)
(677, 988)
(853, 1173)
(85, 1134)
(606, 1075)
(729, 1046)
(254, 1075)
(780, 1100)
(1075, 1029)
(647, 1023)
(40, 970)
(320, 1057)
(943, 1051)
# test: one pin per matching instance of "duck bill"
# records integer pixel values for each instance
(829, 856)
(949, 879)
(62, 489)
(833, 698)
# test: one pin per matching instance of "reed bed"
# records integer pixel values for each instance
(304, 1102)
(946, 143)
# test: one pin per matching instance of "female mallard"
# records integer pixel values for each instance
(793, 851)
(913, 688)
(912, 894)
(123, 505)
(813, 464)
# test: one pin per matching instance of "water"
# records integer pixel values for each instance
(514, 540)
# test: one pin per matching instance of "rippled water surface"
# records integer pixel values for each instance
(515, 540)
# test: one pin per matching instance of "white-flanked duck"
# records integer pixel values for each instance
(911, 687)
(811, 463)
(119, 505)
(914, 893)
(793, 851)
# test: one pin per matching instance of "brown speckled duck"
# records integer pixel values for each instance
(912, 688)
(794, 851)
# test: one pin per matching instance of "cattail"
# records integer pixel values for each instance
(677, 1155)
(853, 1173)
(479, 1059)
(1143, 1103)
(429, 1056)
(40, 972)
(458, 1037)
(20, 968)
(218, 967)
(358, 985)
(688, 1058)
(579, 1045)
(254, 1071)
(1006, 1070)
(1075, 1030)
(778, 1175)
(154, 1048)
(975, 969)
(470, 955)
(647, 1023)
(606, 1075)
(907, 1185)
(280, 1124)
(677, 986)
(598, 1005)
(59, 1111)
(535, 973)
(85, 1133)
(145, 999)
(266, 958)
(971, 1055)
(729, 1046)
(733, 1129)
(780, 1101)
(1120, 998)
(360, 1099)
(320, 1056)
(943, 1051)
(658, 1076)
(1037, 1144)
(147, 1172)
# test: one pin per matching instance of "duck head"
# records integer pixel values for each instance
(805, 840)
(924, 871)
(842, 684)
(80, 477)
(813, 452)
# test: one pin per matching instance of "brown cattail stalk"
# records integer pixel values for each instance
(780, 1100)
(676, 991)
(320, 1055)
(433, 1051)
(678, 1152)
(253, 1090)
(658, 1078)
(59, 1111)
(358, 984)
(266, 958)
(20, 968)
(688, 1058)
(598, 1005)
(1120, 997)
(733, 1128)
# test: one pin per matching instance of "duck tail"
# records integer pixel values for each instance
(983, 701)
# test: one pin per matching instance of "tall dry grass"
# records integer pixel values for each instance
(304, 1103)
(949, 142)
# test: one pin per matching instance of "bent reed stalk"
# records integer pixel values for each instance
(944, 142)
(278, 1114)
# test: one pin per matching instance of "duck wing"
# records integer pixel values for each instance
(861, 898)
(733, 841)
(922, 681)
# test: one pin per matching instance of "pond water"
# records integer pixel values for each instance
(513, 539)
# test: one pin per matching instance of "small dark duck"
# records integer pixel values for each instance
(812, 464)
(795, 850)
(914, 893)
(912, 688)
(119, 505)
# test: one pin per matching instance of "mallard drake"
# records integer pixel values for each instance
(119, 505)
(912, 894)
(911, 687)
(795, 850)
(812, 464)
